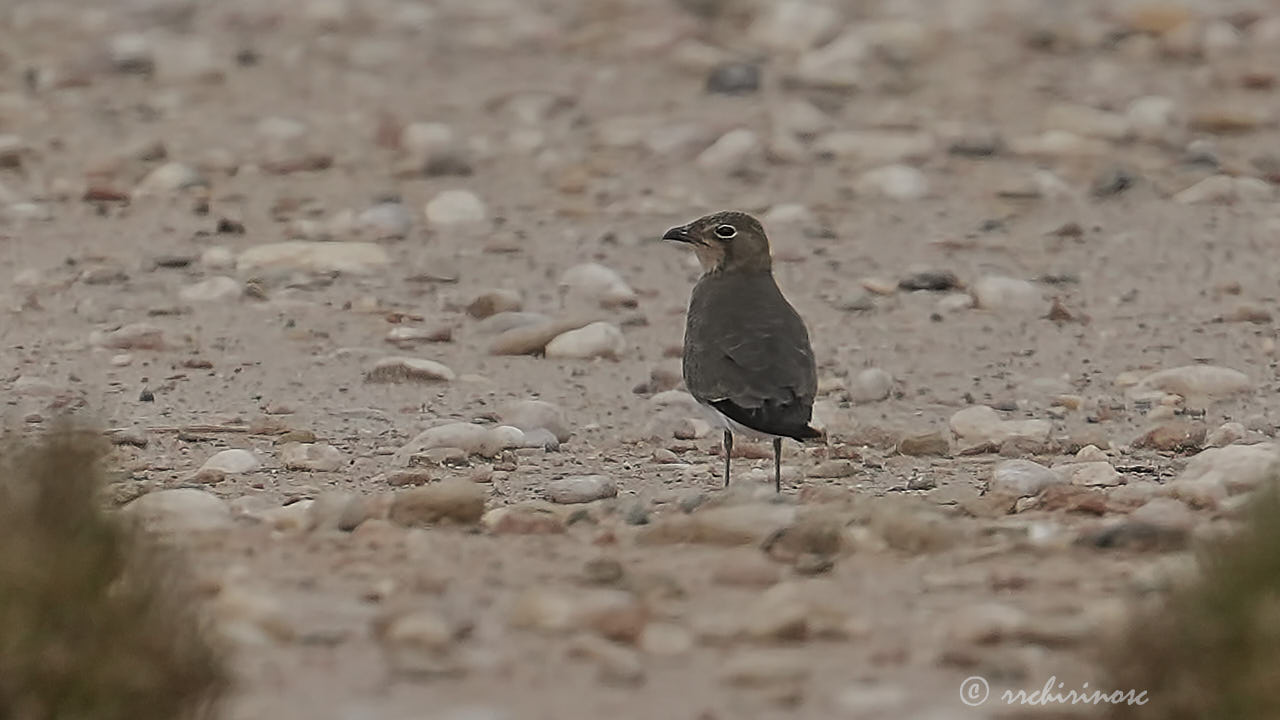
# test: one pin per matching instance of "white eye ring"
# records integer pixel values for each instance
(726, 232)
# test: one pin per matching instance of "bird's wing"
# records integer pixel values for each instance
(748, 354)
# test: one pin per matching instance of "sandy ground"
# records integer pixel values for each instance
(1018, 154)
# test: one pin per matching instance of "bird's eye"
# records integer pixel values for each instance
(726, 232)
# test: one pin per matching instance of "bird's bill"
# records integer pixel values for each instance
(680, 233)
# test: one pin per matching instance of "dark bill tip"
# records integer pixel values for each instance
(679, 234)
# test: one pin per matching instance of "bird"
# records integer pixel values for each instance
(747, 357)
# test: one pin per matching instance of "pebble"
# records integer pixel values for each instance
(1166, 513)
(131, 53)
(531, 339)
(335, 510)
(1152, 117)
(618, 664)
(597, 340)
(665, 639)
(1239, 468)
(595, 284)
(408, 369)
(218, 258)
(531, 415)
(925, 445)
(135, 336)
(1173, 436)
(317, 457)
(452, 209)
(1088, 122)
(491, 302)
(532, 517)
(732, 525)
(1089, 474)
(745, 569)
(734, 78)
(1021, 478)
(794, 25)
(1224, 190)
(834, 469)
(354, 258)
(470, 438)
(1209, 382)
(233, 462)
(385, 221)
(1226, 434)
(839, 65)
(251, 617)
(980, 424)
(871, 385)
(731, 152)
(1005, 294)
(931, 280)
(179, 510)
(614, 614)
(407, 337)
(214, 289)
(456, 501)
(420, 642)
(895, 182)
(167, 178)
(581, 489)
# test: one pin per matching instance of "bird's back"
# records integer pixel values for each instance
(747, 353)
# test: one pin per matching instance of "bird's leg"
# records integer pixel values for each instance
(777, 464)
(728, 450)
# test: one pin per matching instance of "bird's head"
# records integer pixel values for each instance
(725, 241)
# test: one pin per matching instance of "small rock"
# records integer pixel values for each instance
(980, 424)
(453, 209)
(1165, 513)
(871, 385)
(618, 664)
(527, 518)
(1088, 122)
(1198, 381)
(167, 178)
(233, 462)
(734, 78)
(794, 25)
(581, 489)
(1007, 294)
(834, 469)
(1238, 468)
(457, 501)
(1225, 189)
(407, 369)
(131, 53)
(1089, 474)
(1226, 434)
(1174, 436)
(615, 614)
(1021, 478)
(931, 280)
(136, 336)
(317, 457)
(214, 289)
(531, 339)
(530, 415)
(420, 642)
(1152, 117)
(596, 284)
(597, 340)
(895, 182)
(732, 152)
(385, 221)
(355, 258)
(179, 510)
(925, 444)
(492, 302)
(665, 639)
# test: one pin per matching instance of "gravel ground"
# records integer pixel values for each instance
(275, 246)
